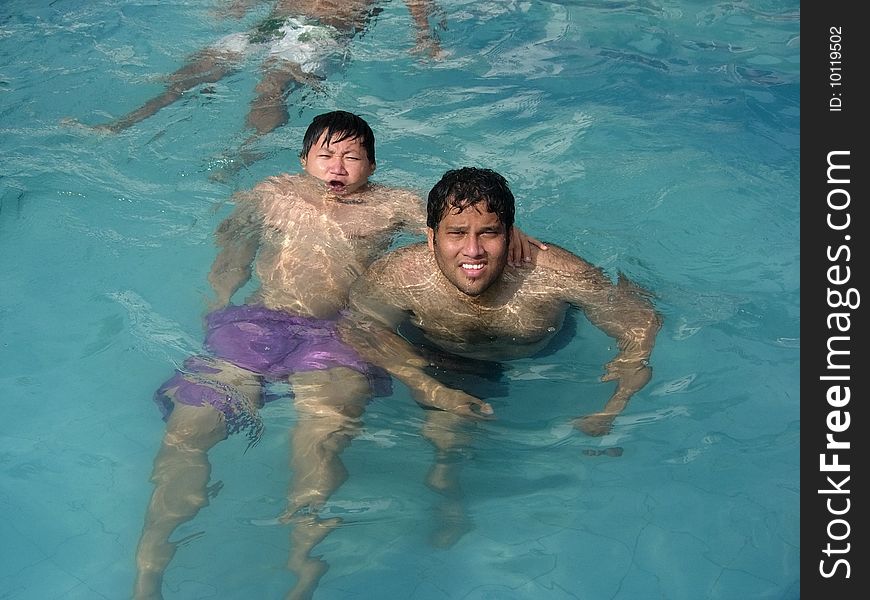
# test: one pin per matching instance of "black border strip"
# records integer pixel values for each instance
(834, 171)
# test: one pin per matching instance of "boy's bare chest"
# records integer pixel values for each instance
(330, 219)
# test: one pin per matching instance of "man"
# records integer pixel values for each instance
(307, 236)
(458, 293)
(302, 41)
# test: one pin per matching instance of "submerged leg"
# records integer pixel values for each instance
(209, 66)
(268, 112)
(449, 434)
(329, 405)
(269, 108)
(181, 475)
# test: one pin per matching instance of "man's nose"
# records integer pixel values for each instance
(473, 246)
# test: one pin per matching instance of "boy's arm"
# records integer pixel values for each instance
(370, 326)
(624, 312)
(238, 238)
(520, 247)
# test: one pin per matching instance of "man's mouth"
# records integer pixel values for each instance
(472, 269)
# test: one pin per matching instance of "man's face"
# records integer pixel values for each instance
(344, 166)
(471, 248)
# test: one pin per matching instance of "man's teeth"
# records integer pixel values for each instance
(472, 267)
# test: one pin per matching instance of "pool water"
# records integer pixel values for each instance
(655, 138)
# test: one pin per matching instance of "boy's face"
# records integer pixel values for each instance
(344, 166)
(471, 248)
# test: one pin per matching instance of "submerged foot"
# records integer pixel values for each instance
(149, 584)
(451, 524)
(614, 451)
(75, 123)
(308, 531)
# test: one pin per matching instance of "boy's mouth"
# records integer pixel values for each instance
(336, 187)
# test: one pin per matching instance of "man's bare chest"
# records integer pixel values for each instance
(516, 322)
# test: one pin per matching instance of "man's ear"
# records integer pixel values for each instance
(430, 238)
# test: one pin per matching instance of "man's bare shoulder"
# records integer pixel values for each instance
(559, 259)
(566, 273)
(402, 263)
(391, 279)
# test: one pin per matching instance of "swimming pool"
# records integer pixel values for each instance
(660, 139)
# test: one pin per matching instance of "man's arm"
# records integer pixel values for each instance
(370, 325)
(624, 312)
(238, 238)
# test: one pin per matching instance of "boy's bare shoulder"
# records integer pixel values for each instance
(392, 195)
(382, 188)
(279, 182)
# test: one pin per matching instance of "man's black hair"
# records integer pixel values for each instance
(339, 125)
(466, 187)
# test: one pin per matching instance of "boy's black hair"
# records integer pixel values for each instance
(339, 125)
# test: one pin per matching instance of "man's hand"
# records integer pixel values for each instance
(596, 424)
(630, 374)
(453, 401)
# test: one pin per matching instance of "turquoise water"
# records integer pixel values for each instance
(660, 139)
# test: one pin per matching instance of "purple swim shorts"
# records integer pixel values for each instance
(272, 345)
